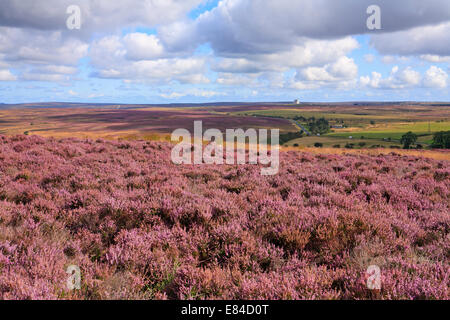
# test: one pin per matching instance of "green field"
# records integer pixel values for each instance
(395, 130)
(292, 113)
(384, 126)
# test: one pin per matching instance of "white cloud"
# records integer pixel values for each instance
(435, 78)
(141, 46)
(263, 44)
(425, 40)
(398, 79)
(268, 26)
(6, 75)
(58, 69)
(309, 53)
(39, 55)
(343, 69)
(141, 57)
(97, 16)
(371, 81)
(192, 92)
(44, 77)
(235, 79)
(388, 59)
(435, 58)
(39, 47)
(370, 58)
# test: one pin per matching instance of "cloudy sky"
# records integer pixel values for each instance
(173, 51)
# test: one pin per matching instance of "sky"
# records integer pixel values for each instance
(194, 51)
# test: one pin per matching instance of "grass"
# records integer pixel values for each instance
(394, 130)
(432, 154)
(292, 113)
(374, 128)
(371, 125)
(332, 141)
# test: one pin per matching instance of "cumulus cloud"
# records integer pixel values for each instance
(343, 69)
(37, 47)
(427, 40)
(96, 16)
(233, 79)
(435, 78)
(261, 26)
(302, 45)
(6, 75)
(398, 79)
(39, 55)
(341, 74)
(141, 46)
(309, 53)
(126, 58)
(194, 93)
(34, 34)
(435, 58)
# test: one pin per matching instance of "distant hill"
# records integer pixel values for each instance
(213, 104)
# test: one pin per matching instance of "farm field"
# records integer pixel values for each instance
(394, 130)
(141, 227)
(151, 123)
(375, 126)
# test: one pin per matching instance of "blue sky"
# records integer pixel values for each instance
(233, 50)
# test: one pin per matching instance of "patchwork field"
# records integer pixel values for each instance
(380, 125)
(144, 123)
(364, 125)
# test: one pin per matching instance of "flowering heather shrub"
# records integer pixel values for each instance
(140, 227)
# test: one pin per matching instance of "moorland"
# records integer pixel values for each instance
(94, 186)
(351, 125)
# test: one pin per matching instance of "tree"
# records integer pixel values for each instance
(441, 140)
(408, 139)
(349, 145)
(286, 137)
(320, 126)
(318, 145)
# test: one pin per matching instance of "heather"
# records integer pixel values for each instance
(140, 227)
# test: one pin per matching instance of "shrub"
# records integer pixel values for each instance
(140, 227)
(408, 139)
(441, 140)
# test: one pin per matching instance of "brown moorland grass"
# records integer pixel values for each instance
(79, 122)
(432, 154)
